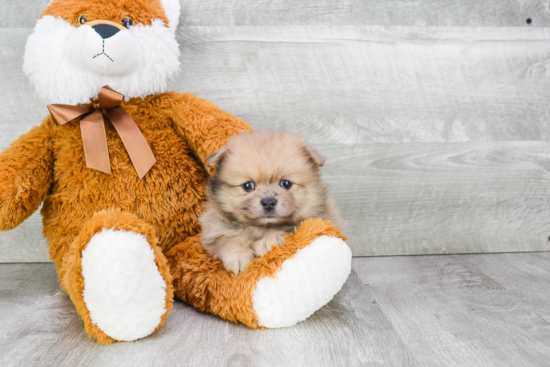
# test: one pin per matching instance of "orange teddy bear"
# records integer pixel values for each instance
(122, 176)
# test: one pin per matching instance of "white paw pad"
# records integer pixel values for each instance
(123, 288)
(306, 282)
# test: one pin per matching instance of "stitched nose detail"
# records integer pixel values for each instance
(105, 30)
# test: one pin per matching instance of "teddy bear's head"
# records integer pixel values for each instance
(78, 46)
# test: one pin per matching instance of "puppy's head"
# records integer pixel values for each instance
(267, 178)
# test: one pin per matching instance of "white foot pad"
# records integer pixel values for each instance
(305, 283)
(123, 288)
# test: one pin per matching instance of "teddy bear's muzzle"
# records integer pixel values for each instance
(105, 30)
(104, 48)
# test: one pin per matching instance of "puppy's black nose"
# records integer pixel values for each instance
(269, 203)
(105, 30)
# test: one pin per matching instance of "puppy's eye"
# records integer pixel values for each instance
(249, 186)
(286, 184)
(127, 22)
(82, 19)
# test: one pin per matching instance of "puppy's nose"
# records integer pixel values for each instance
(105, 30)
(268, 203)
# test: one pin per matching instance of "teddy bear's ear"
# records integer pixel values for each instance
(215, 159)
(172, 8)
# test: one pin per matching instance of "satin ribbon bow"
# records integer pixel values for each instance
(94, 138)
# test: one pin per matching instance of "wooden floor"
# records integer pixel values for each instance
(449, 310)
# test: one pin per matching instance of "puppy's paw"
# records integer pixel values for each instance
(263, 246)
(237, 260)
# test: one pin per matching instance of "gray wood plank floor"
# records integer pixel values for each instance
(450, 310)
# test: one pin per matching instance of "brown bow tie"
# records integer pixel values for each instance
(94, 139)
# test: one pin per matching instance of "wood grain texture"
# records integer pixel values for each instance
(348, 84)
(367, 12)
(412, 199)
(23, 13)
(24, 243)
(453, 310)
(375, 84)
(21, 108)
(409, 199)
(352, 85)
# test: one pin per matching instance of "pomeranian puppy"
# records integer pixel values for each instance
(266, 183)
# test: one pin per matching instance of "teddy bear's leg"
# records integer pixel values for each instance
(282, 288)
(117, 277)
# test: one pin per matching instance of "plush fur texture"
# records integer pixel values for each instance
(123, 288)
(139, 61)
(180, 129)
(172, 9)
(72, 277)
(203, 281)
(159, 213)
(238, 223)
(26, 173)
(48, 164)
(296, 292)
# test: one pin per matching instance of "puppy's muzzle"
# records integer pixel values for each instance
(268, 204)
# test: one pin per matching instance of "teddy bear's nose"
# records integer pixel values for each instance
(105, 30)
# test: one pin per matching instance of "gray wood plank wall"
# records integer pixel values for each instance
(434, 114)
(17, 13)
(440, 198)
(353, 85)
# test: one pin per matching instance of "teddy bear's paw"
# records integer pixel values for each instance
(305, 283)
(123, 289)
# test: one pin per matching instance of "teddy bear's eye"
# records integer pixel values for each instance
(249, 186)
(82, 19)
(127, 22)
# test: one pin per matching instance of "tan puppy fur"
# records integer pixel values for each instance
(267, 183)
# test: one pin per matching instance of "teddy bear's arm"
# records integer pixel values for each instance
(25, 175)
(205, 126)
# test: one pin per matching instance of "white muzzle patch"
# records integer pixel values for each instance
(69, 65)
(103, 53)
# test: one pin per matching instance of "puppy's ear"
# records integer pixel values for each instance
(215, 159)
(315, 156)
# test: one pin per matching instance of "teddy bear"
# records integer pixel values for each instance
(119, 165)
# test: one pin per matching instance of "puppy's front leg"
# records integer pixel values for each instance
(235, 255)
(263, 245)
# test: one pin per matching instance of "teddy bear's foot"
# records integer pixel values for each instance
(305, 283)
(123, 289)
(285, 286)
(120, 285)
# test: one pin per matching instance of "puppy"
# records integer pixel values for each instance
(266, 183)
